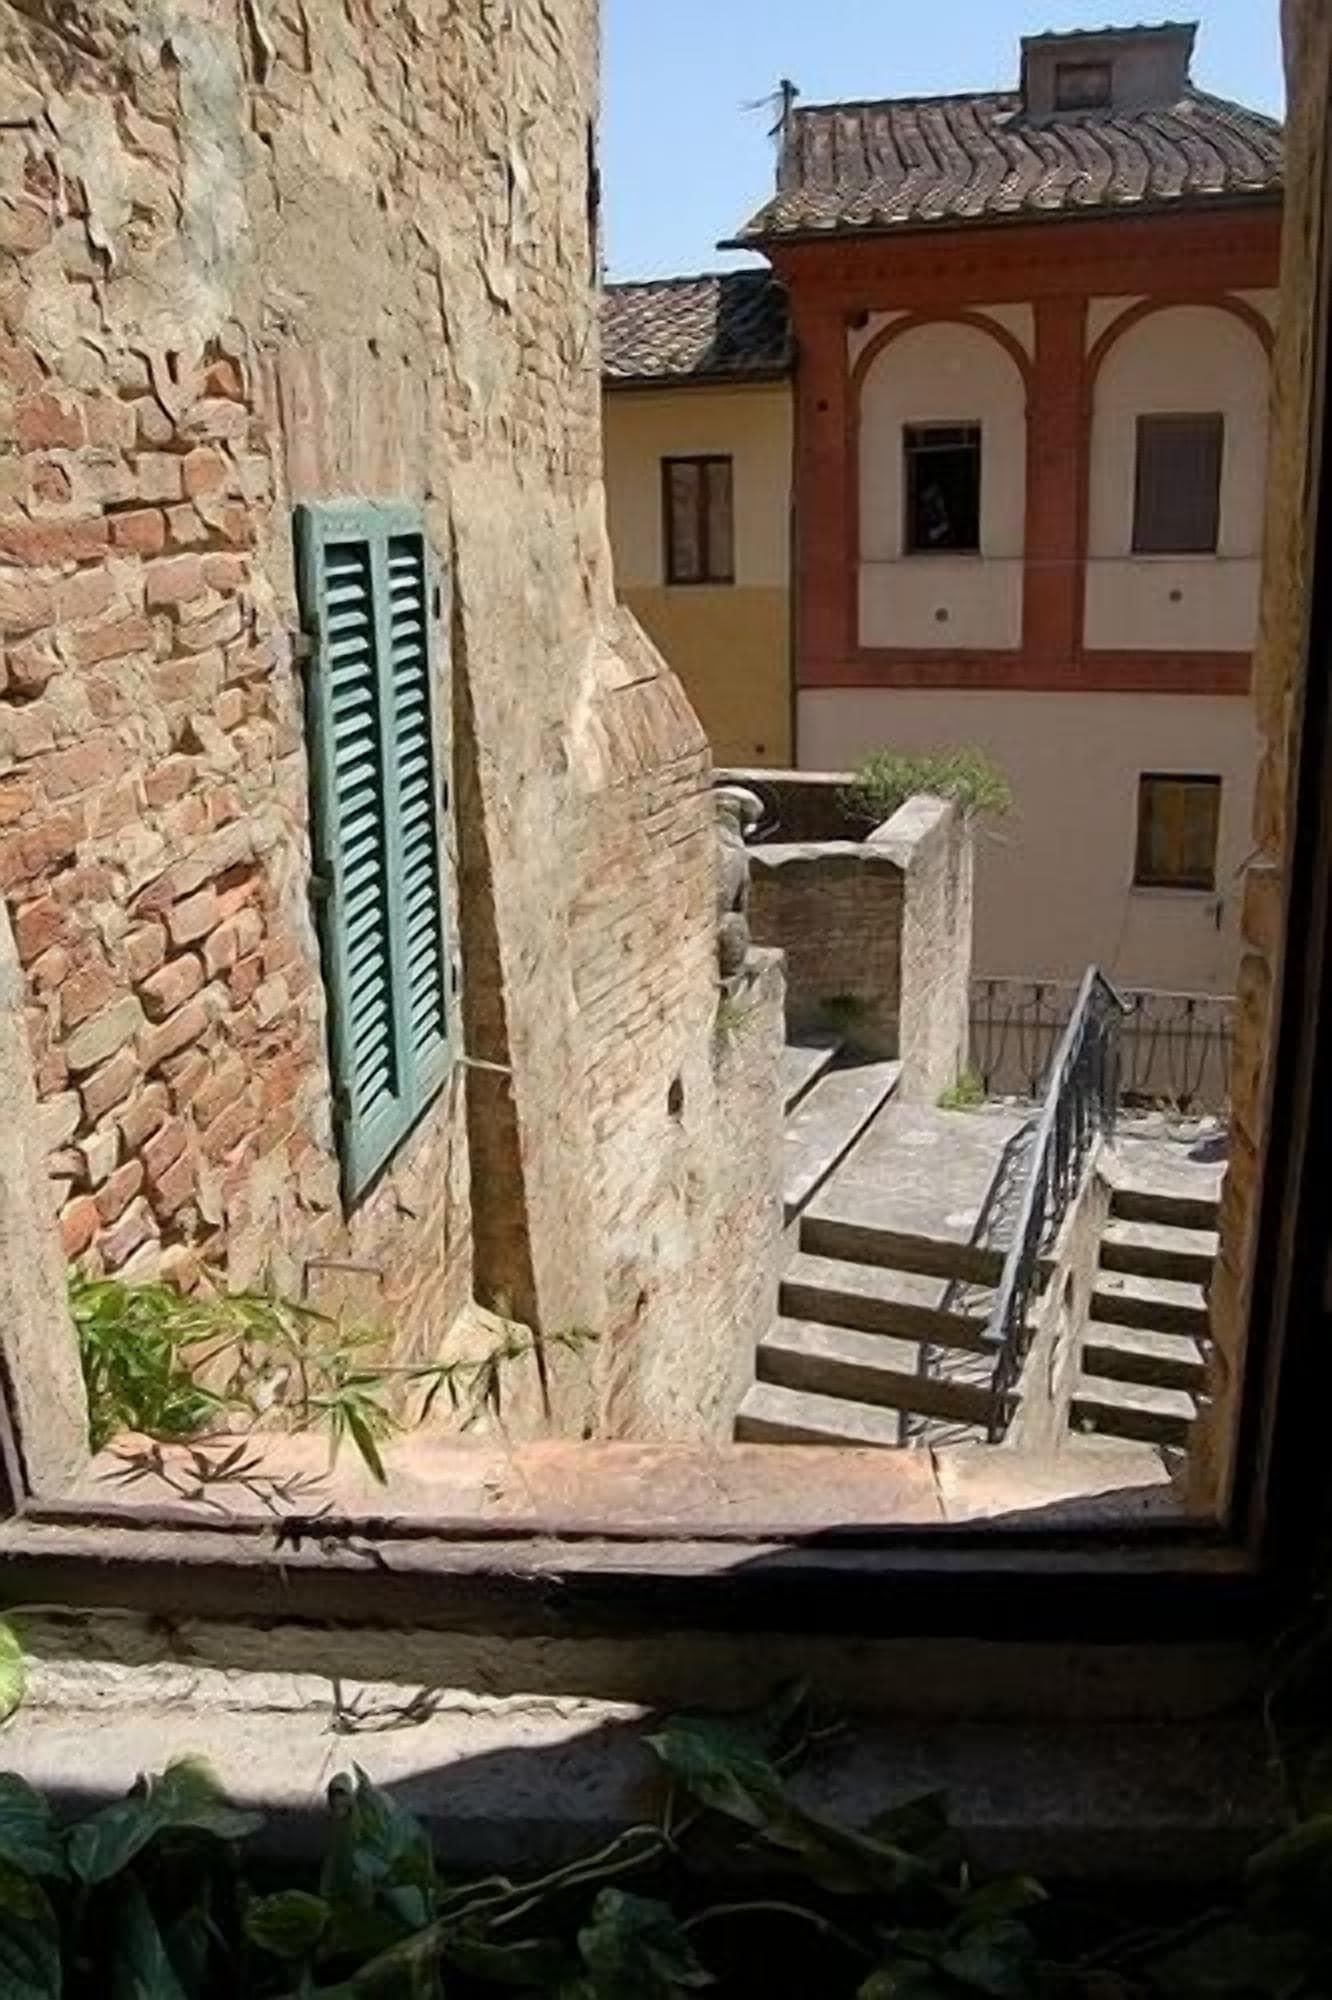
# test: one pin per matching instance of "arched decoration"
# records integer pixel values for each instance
(1144, 308)
(912, 322)
(989, 599)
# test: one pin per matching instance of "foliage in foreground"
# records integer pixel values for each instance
(967, 1094)
(735, 1887)
(889, 778)
(173, 1365)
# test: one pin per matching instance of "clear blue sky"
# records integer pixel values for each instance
(684, 162)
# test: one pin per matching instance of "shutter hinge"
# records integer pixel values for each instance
(303, 649)
(342, 1104)
(321, 887)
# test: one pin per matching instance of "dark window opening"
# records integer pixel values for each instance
(697, 496)
(1178, 822)
(1177, 491)
(1082, 86)
(943, 488)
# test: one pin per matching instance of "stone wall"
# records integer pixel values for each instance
(875, 926)
(1278, 686)
(260, 256)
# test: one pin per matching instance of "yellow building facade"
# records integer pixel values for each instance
(698, 456)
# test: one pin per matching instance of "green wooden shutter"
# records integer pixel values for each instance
(368, 603)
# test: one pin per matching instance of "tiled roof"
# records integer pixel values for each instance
(722, 326)
(910, 162)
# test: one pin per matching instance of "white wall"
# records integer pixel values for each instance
(942, 373)
(1182, 358)
(1054, 882)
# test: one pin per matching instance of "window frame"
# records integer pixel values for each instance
(707, 579)
(368, 1141)
(1177, 552)
(911, 456)
(1143, 877)
(1102, 101)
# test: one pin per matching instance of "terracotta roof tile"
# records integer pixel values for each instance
(911, 162)
(722, 326)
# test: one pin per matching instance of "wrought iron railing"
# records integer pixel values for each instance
(1174, 1048)
(1080, 1104)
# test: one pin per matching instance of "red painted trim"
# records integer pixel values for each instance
(1093, 673)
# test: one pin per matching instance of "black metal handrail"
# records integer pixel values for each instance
(1081, 1102)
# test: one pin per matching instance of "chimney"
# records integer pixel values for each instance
(1106, 69)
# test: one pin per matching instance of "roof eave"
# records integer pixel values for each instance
(847, 232)
(713, 379)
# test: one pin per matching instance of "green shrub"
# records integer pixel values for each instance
(885, 781)
(964, 1095)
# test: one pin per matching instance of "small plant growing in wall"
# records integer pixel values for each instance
(967, 1094)
(970, 778)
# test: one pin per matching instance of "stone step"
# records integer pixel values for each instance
(1141, 1354)
(772, 1415)
(803, 1063)
(1146, 1201)
(827, 1123)
(1166, 1305)
(871, 1368)
(868, 1243)
(1132, 1410)
(1160, 1250)
(875, 1299)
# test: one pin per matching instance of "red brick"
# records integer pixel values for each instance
(246, 977)
(145, 1113)
(141, 532)
(13, 867)
(99, 762)
(32, 663)
(144, 948)
(195, 917)
(85, 595)
(104, 1033)
(222, 1087)
(45, 543)
(120, 1190)
(117, 808)
(196, 680)
(165, 1147)
(110, 1085)
(55, 840)
(200, 629)
(19, 367)
(185, 528)
(49, 484)
(37, 927)
(18, 796)
(173, 1187)
(224, 805)
(217, 417)
(175, 1033)
(109, 639)
(184, 820)
(152, 425)
(125, 1235)
(171, 986)
(223, 378)
(110, 422)
(90, 882)
(204, 470)
(231, 520)
(86, 991)
(159, 477)
(52, 1073)
(79, 1222)
(187, 1075)
(228, 1129)
(50, 970)
(173, 578)
(44, 420)
(276, 1128)
(98, 1155)
(26, 602)
(168, 780)
(222, 949)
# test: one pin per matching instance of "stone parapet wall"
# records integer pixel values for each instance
(875, 926)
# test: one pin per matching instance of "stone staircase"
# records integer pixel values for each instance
(1144, 1355)
(874, 1293)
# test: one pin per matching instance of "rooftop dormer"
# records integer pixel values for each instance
(1106, 69)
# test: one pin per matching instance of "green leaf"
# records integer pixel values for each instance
(635, 1949)
(289, 1925)
(994, 1958)
(364, 1439)
(13, 1672)
(909, 1979)
(141, 1969)
(29, 1837)
(1235, 1961)
(185, 1798)
(534, 1967)
(30, 1955)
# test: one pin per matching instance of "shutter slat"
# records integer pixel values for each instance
(423, 934)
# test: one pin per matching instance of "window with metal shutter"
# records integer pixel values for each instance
(1177, 484)
(368, 608)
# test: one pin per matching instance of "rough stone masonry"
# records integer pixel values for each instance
(263, 251)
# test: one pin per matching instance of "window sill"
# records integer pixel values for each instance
(1152, 891)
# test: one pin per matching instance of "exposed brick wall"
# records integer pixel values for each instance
(267, 256)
